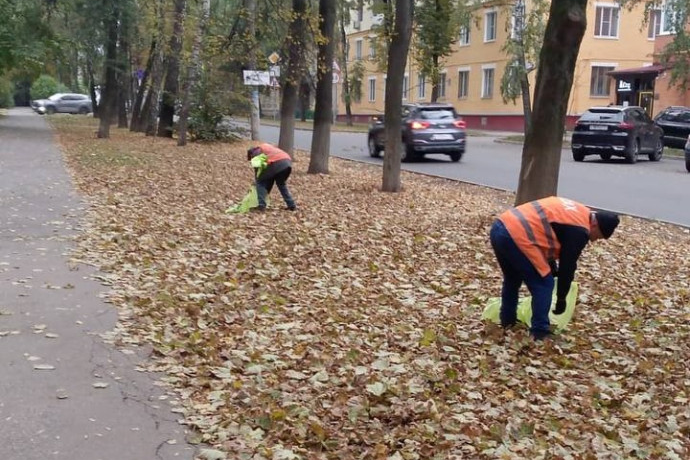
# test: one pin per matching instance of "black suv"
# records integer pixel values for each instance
(426, 128)
(675, 121)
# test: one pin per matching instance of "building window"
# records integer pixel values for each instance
(360, 13)
(372, 48)
(606, 22)
(463, 83)
(601, 83)
(383, 89)
(667, 18)
(488, 83)
(406, 86)
(490, 26)
(442, 85)
(421, 86)
(654, 24)
(465, 35)
(372, 89)
(358, 50)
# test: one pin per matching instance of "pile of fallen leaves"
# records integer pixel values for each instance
(351, 329)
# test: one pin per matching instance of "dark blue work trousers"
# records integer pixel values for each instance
(517, 269)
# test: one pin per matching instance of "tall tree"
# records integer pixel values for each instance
(541, 153)
(149, 113)
(254, 119)
(109, 94)
(323, 114)
(192, 72)
(295, 66)
(344, 18)
(172, 72)
(436, 30)
(397, 59)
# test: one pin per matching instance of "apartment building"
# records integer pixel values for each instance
(615, 39)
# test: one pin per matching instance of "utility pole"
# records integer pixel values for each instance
(255, 121)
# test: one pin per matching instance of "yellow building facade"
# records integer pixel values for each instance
(616, 38)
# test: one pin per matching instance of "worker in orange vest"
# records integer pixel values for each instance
(278, 166)
(535, 242)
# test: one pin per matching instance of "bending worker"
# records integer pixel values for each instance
(538, 240)
(272, 166)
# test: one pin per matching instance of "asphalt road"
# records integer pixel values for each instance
(65, 392)
(653, 190)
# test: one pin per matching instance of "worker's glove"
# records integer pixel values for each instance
(554, 268)
(560, 306)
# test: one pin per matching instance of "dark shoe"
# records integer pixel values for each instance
(291, 208)
(257, 209)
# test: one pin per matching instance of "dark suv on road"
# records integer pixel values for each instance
(426, 128)
(675, 121)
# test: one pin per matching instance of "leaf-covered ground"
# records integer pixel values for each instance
(351, 329)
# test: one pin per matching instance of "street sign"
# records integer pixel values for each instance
(256, 77)
(336, 78)
(273, 58)
(274, 83)
(336, 67)
(274, 71)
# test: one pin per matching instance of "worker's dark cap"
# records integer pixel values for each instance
(252, 152)
(607, 221)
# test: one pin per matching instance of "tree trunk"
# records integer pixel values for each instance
(434, 80)
(541, 154)
(149, 113)
(343, 66)
(92, 88)
(136, 124)
(255, 118)
(323, 113)
(397, 58)
(296, 33)
(172, 72)
(192, 73)
(304, 93)
(109, 95)
(124, 75)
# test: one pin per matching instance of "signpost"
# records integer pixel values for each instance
(256, 78)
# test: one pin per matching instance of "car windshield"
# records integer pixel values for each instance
(602, 115)
(55, 97)
(676, 115)
(436, 114)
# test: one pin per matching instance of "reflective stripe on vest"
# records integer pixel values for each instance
(273, 153)
(530, 227)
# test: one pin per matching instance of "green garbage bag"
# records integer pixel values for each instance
(251, 200)
(492, 311)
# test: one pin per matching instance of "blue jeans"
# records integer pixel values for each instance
(278, 174)
(517, 269)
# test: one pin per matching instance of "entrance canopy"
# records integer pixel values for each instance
(638, 72)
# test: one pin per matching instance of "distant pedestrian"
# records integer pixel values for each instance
(538, 240)
(272, 166)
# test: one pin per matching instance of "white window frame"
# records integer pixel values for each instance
(421, 86)
(600, 22)
(654, 28)
(442, 84)
(464, 91)
(372, 47)
(492, 12)
(358, 49)
(465, 36)
(488, 84)
(371, 89)
(599, 65)
(405, 86)
(666, 19)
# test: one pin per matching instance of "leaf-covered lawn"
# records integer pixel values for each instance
(351, 329)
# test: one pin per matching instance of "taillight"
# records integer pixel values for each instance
(419, 124)
(625, 125)
(459, 124)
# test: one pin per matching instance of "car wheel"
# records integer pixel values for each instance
(374, 151)
(579, 155)
(687, 164)
(83, 110)
(455, 156)
(408, 154)
(633, 152)
(658, 151)
(605, 156)
(50, 110)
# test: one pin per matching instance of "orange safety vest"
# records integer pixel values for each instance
(530, 227)
(273, 153)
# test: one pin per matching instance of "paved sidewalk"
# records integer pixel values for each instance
(51, 354)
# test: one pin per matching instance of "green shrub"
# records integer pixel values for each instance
(6, 94)
(213, 102)
(44, 86)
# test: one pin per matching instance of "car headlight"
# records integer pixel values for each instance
(40, 109)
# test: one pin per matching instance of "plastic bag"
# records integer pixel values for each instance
(251, 200)
(492, 311)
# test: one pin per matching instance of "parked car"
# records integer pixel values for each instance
(617, 131)
(426, 128)
(687, 154)
(63, 103)
(675, 121)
